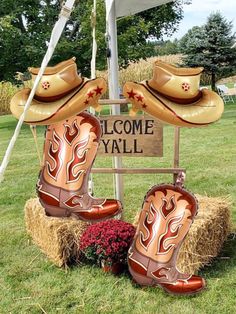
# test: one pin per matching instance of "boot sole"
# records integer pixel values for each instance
(60, 213)
(149, 282)
(116, 216)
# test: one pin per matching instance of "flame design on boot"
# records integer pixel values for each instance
(78, 159)
(149, 225)
(71, 132)
(54, 152)
(167, 214)
(63, 186)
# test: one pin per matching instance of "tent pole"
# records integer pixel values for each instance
(114, 90)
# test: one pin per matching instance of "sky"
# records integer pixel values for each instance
(197, 13)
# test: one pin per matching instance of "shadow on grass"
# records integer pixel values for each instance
(225, 262)
(219, 267)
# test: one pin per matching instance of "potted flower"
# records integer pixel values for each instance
(107, 243)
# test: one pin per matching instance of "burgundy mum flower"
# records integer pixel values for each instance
(107, 240)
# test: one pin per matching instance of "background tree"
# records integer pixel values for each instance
(167, 47)
(210, 46)
(25, 27)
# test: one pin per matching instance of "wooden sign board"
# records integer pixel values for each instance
(134, 137)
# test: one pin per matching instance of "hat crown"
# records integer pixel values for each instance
(179, 83)
(58, 80)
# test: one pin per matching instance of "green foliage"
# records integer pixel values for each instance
(25, 28)
(167, 47)
(210, 46)
(134, 31)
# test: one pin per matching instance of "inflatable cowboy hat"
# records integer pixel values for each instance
(173, 96)
(61, 94)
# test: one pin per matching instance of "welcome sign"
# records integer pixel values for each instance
(126, 136)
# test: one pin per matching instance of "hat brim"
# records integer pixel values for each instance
(206, 110)
(44, 113)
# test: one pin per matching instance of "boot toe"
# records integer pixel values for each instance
(190, 286)
(110, 208)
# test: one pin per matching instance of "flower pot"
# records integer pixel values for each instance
(114, 268)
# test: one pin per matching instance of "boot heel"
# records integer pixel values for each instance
(140, 279)
(54, 211)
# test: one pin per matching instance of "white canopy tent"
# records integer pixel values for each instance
(114, 9)
(130, 7)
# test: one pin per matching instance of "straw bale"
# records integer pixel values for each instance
(207, 234)
(58, 238)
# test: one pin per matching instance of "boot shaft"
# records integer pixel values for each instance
(165, 219)
(69, 151)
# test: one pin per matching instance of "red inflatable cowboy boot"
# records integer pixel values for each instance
(69, 152)
(167, 214)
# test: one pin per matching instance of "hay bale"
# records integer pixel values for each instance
(58, 238)
(206, 235)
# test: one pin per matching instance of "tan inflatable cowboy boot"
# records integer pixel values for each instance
(69, 152)
(61, 94)
(173, 96)
(167, 214)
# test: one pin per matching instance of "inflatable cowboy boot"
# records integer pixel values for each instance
(69, 152)
(167, 213)
(173, 96)
(61, 94)
(71, 140)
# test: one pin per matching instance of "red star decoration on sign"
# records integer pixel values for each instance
(144, 106)
(98, 90)
(185, 86)
(139, 98)
(90, 94)
(131, 94)
(86, 102)
(45, 85)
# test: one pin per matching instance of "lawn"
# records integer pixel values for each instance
(30, 283)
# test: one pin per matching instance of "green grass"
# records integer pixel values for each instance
(29, 283)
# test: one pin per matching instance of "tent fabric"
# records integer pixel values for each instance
(130, 7)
